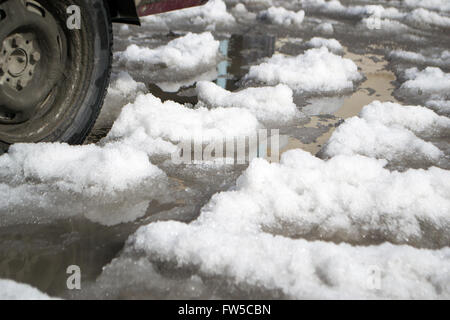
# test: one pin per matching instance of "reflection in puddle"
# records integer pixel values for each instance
(222, 67)
(238, 51)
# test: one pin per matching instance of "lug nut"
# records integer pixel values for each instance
(35, 57)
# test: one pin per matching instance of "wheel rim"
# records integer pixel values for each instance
(36, 55)
(32, 34)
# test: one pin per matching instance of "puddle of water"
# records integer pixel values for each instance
(377, 86)
(318, 137)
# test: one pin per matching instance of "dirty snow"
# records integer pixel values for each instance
(443, 5)
(442, 59)
(440, 106)
(317, 70)
(11, 290)
(418, 17)
(430, 81)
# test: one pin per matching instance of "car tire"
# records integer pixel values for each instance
(53, 75)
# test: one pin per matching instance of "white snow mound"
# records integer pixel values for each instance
(390, 131)
(317, 70)
(244, 235)
(175, 122)
(283, 17)
(266, 103)
(184, 53)
(11, 290)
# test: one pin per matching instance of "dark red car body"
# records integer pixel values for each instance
(149, 7)
(129, 11)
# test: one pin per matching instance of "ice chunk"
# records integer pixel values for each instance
(11, 290)
(332, 44)
(266, 103)
(245, 235)
(317, 70)
(283, 17)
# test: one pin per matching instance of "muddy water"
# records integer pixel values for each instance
(378, 85)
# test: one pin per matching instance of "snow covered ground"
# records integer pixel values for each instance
(358, 206)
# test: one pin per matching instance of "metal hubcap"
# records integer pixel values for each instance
(18, 61)
(32, 59)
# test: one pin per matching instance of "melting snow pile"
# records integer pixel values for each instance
(89, 169)
(11, 290)
(249, 234)
(230, 115)
(443, 5)
(430, 81)
(390, 131)
(116, 173)
(390, 18)
(440, 106)
(182, 54)
(440, 59)
(431, 86)
(175, 122)
(266, 103)
(59, 180)
(122, 90)
(315, 71)
(332, 44)
(282, 17)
